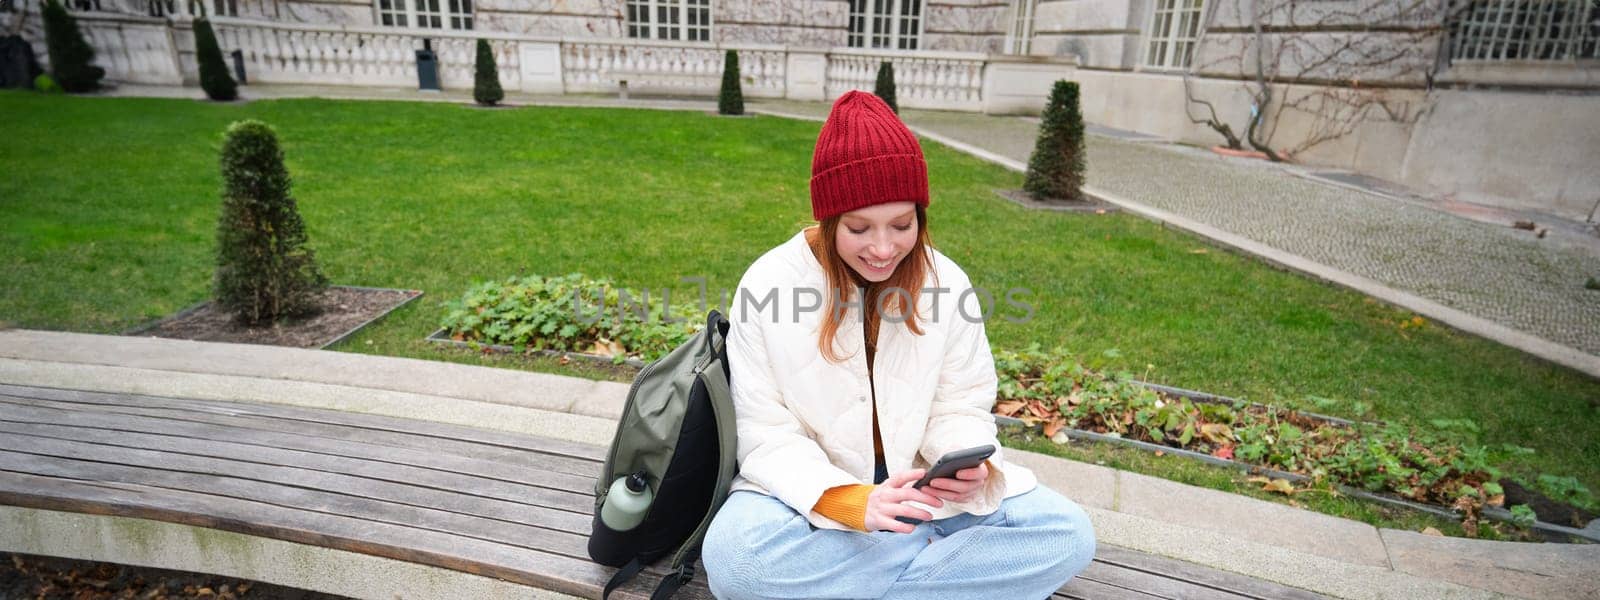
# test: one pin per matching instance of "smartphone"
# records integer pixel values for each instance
(948, 466)
(955, 461)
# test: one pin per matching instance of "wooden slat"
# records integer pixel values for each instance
(520, 450)
(397, 483)
(302, 490)
(47, 411)
(544, 570)
(1087, 589)
(1232, 583)
(316, 415)
(1158, 585)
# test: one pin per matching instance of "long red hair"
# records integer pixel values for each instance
(909, 276)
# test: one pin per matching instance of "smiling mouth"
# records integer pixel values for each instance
(878, 265)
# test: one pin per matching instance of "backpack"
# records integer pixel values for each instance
(678, 430)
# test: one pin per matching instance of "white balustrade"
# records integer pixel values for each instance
(934, 80)
(139, 48)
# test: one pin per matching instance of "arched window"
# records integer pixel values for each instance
(894, 24)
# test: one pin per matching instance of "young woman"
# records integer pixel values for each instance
(858, 361)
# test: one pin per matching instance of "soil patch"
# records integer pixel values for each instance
(1026, 200)
(1547, 509)
(341, 310)
(51, 578)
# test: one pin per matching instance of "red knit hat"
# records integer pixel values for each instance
(865, 156)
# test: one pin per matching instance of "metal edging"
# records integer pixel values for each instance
(440, 336)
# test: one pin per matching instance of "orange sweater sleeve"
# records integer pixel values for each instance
(846, 504)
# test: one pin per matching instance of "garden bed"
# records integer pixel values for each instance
(1516, 493)
(343, 310)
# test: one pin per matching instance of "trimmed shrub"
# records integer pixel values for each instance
(885, 86)
(214, 78)
(264, 269)
(70, 53)
(486, 82)
(731, 101)
(46, 84)
(1056, 168)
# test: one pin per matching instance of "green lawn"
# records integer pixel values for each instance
(108, 209)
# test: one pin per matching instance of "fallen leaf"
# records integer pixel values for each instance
(1199, 251)
(1053, 426)
(1009, 407)
(1496, 500)
(1528, 225)
(1160, 453)
(1216, 433)
(1281, 486)
(1061, 437)
(564, 360)
(1432, 531)
(1224, 452)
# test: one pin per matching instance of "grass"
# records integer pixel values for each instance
(109, 208)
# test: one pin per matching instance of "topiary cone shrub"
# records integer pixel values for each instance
(70, 54)
(214, 77)
(731, 101)
(885, 86)
(486, 82)
(264, 269)
(1056, 168)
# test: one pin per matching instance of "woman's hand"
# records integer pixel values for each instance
(964, 487)
(885, 503)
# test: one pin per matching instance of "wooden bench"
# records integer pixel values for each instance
(510, 506)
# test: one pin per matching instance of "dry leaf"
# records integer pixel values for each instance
(1268, 484)
(1008, 408)
(564, 360)
(1224, 452)
(1432, 531)
(1161, 453)
(1199, 251)
(1497, 500)
(1216, 433)
(1053, 426)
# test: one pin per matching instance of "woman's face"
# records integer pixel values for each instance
(873, 240)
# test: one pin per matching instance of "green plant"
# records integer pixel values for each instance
(1592, 284)
(1523, 516)
(486, 79)
(884, 87)
(1566, 489)
(731, 100)
(1055, 390)
(570, 312)
(264, 269)
(214, 78)
(70, 53)
(1056, 168)
(47, 84)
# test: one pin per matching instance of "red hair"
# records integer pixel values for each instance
(843, 281)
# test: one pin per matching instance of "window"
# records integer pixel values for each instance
(670, 19)
(428, 14)
(1174, 28)
(1019, 38)
(1526, 30)
(895, 24)
(225, 8)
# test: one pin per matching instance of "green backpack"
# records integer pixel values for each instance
(676, 435)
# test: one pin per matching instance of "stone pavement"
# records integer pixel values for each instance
(1325, 554)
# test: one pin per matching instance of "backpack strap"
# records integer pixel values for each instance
(623, 575)
(669, 585)
(728, 444)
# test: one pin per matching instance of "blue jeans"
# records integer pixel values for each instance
(758, 547)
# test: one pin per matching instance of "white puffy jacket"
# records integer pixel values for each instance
(805, 423)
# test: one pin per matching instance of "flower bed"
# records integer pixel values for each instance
(1054, 391)
(569, 313)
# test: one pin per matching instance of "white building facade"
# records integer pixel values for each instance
(1492, 101)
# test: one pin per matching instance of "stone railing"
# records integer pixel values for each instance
(598, 65)
(146, 49)
(938, 80)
